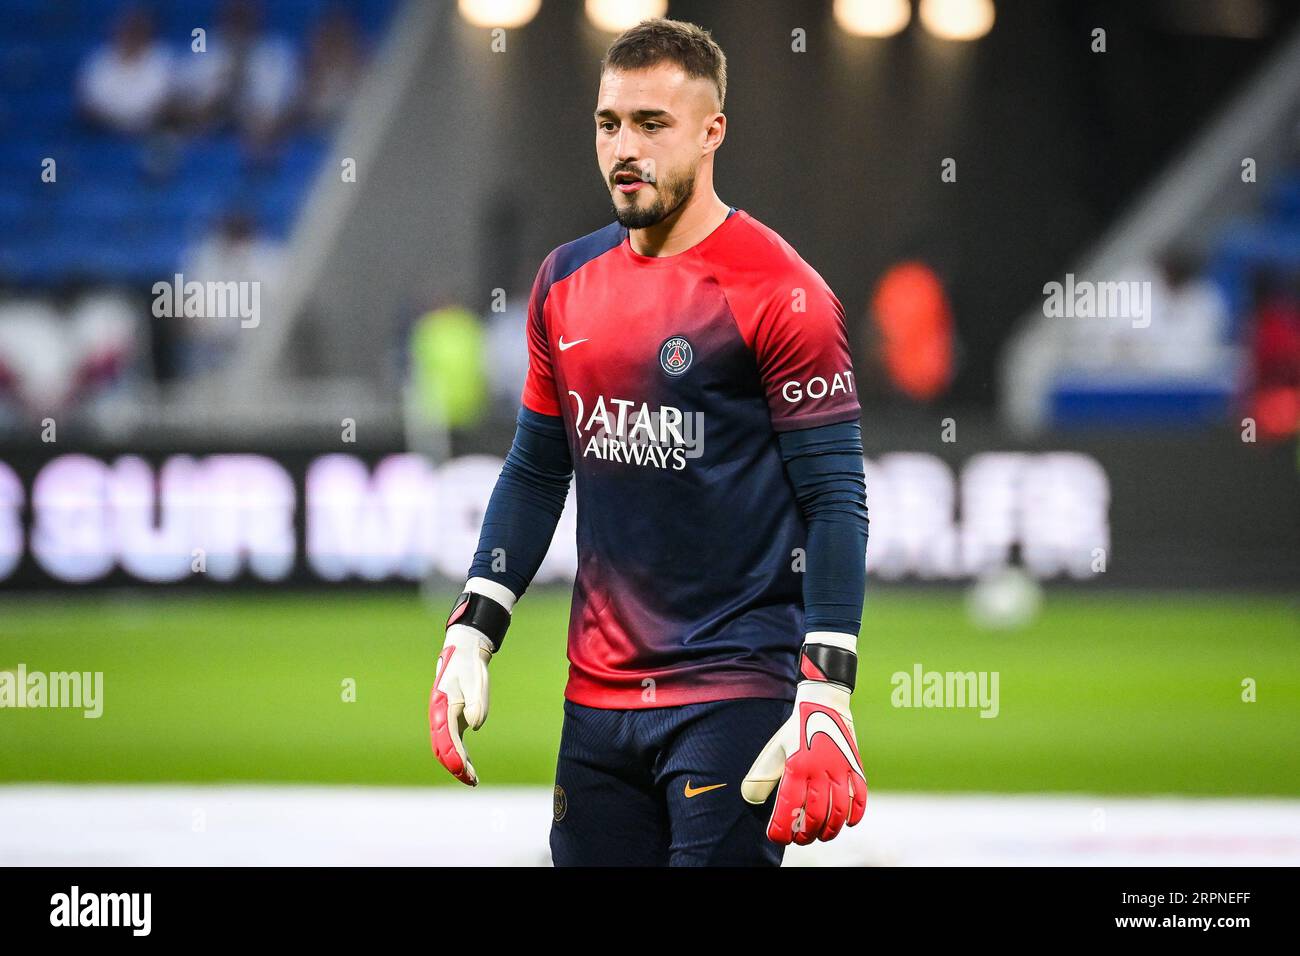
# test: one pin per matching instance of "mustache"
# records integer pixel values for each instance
(650, 178)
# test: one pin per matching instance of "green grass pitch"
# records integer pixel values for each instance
(1104, 693)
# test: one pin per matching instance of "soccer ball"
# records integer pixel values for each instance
(1004, 600)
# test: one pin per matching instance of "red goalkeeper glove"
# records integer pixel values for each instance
(814, 754)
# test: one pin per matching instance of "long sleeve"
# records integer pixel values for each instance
(526, 503)
(825, 466)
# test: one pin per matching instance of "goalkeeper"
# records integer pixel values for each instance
(694, 373)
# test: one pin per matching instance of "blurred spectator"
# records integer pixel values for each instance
(106, 335)
(124, 86)
(334, 64)
(234, 252)
(448, 385)
(35, 356)
(1275, 354)
(50, 359)
(1189, 320)
(244, 77)
(911, 313)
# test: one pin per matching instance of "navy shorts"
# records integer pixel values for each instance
(661, 786)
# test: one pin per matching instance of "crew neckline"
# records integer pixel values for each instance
(638, 258)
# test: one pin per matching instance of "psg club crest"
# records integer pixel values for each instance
(675, 355)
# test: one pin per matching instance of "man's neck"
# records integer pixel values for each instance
(685, 228)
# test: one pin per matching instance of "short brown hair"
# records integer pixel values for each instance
(662, 40)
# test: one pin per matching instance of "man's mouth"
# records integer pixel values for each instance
(627, 182)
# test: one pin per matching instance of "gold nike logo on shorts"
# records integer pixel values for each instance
(696, 791)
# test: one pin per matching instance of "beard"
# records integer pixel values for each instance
(671, 192)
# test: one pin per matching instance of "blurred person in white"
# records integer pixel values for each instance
(52, 359)
(232, 252)
(334, 61)
(35, 359)
(125, 84)
(245, 77)
(1189, 320)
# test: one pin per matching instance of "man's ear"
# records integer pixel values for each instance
(720, 120)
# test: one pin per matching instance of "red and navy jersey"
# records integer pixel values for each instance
(674, 375)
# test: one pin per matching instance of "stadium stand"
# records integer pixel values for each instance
(123, 207)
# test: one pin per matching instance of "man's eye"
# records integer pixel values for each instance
(656, 126)
(607, 126)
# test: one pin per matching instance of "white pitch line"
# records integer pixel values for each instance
(136, 825)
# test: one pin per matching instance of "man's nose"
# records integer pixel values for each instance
(625, 146)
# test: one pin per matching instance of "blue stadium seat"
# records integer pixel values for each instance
(1284, 203)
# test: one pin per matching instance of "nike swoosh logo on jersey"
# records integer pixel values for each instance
(564, 346)
(813, 726)
(696, 791)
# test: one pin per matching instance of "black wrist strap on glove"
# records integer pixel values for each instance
(826, 662)
(483, 614)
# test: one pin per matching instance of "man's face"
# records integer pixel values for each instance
(652, 127)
